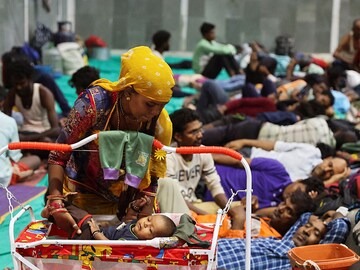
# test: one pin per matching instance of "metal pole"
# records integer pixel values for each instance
(335, 20)
(248, 214)
(184, 7)
(70, 13)
(26, 20)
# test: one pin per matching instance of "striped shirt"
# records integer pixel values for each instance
(271, 253)
(313, 130)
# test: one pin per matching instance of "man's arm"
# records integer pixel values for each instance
(197, 210)
(341, 47)
(238, 144)
(218, 48)
(9, 102)
(237, 213)
(265, 212)
(290, 69)
(229, 161)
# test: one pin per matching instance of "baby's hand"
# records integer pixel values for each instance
(313, 194)
(93, 225)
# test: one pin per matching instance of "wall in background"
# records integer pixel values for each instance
(127, 23)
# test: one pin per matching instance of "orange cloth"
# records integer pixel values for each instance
(211, 218)
(262, 227)
(20, 170)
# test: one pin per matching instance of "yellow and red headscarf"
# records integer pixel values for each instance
(147, 73)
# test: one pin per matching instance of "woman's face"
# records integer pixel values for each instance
(143, 108)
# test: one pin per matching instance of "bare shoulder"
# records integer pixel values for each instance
(46, 97)
(45, 92)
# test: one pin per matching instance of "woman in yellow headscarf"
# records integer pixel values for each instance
(133, 103)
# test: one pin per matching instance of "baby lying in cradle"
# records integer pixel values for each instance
(145, 228)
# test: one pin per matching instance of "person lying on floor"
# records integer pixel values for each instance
(313, 131)
(270, 182)
(279, 221)
(271, 253)
(311, 161)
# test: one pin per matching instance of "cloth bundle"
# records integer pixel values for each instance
(137, 147)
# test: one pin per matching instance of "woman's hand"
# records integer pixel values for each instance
(66, 222)
(55, 207)
(147, 208)
(136, 208)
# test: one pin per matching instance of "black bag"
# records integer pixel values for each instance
(41, 36)
(346, 194)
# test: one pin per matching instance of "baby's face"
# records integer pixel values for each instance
(149, 227)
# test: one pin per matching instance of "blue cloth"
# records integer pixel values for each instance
(279, 117)
(211, 94)
(250, 91)
(341, 104)
(282, 63)
(233, 83)
(269, 181)
(124, 233)
(271, 253)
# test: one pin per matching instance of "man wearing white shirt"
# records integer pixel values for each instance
(300, 160)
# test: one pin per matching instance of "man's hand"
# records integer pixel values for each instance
(236, 144)
(237, 214)
(254, 203)
(313, 194)
(338, 177)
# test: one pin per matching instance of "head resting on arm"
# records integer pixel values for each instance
(329, 228)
